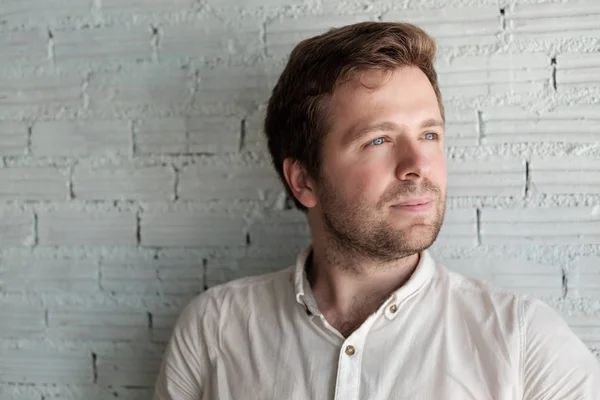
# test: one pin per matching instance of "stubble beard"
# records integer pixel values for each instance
(358, 232)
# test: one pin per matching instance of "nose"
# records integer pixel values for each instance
(412, 161)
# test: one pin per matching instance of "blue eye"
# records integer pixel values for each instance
(378, 141)
(431, 136)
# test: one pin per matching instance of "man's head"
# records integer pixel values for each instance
(355, 128)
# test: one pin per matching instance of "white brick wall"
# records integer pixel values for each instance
(80, 137)
(134, 174)
(13, 138)
(575, 19)
(455, 26)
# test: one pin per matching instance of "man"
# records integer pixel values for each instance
(355, 127)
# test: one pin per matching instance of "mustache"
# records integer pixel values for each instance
(410, 188)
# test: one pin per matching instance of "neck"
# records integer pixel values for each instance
(348, 288)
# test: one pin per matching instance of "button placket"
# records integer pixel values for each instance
(348, 380)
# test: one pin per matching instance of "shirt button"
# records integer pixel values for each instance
(393, 308)
(350, 350)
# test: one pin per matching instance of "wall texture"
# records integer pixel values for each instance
(133, 173)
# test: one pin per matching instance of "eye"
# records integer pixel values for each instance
(377, 142)
(431, 136)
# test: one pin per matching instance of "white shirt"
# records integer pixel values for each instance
(440, 336)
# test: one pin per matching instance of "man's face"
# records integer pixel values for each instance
(382, 189)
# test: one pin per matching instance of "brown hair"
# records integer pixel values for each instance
(296, 120)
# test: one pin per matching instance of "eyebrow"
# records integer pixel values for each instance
(388, 126)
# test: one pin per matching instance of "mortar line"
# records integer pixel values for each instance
(478, 224)
(480, 134)
(243, 134)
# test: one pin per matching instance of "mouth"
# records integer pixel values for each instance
(417, 204)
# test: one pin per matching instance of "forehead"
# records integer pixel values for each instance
(404, 96)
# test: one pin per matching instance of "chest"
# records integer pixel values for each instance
(390, 360)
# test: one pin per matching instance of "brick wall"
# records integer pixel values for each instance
(133, 173)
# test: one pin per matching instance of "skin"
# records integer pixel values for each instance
(381, 159)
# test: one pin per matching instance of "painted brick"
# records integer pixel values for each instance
(124, 278)
(29, 273)
(587, 328)
(43, 183)
(189, 135)
(124, 183)
(229, 182)
(224, 270)
(462, 26)
(486, 178)
(254, 138)
(234, 90)
(81, 137)
(13, 138)
(185, 278)
(209, 39)
(213, 134)
(46, 366)
(528, 277)
(40, 91)
(97, 324)
(548, 226)
(495, 74)
(134, 370)
(577, 123)
(461, 127)
(555, 20)
(284, 33)
(169, 275)
(459, 228)
(16, 228)
(249, 4)
(29, 47)
(161, 135)
(138, 7)
(21, 321)
(162, 325)
(130, 43)
(188, 229)
(566, 175)
(80, 228)
(288, 228)
(578, 70)
(94, 392)
(157, 87)
(21, 392)
(50, 10)
(585, 277)
(515, 274)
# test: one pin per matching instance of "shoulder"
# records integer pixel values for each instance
(479, 291)
(236, 294)
(482, 305)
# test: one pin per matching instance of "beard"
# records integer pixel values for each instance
(360, 231)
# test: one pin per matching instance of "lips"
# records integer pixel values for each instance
(414, 205)
(417, 201)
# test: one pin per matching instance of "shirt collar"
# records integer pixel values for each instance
(421, 276)
(304, 294)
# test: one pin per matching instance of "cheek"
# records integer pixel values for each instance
(368, 179)
(439, 173)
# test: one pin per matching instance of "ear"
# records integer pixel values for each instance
(300, 183)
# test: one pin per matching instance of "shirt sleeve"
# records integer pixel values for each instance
(184, 368)
(556, 363)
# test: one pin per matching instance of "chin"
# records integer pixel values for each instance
(420, 234)
(410, 227)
